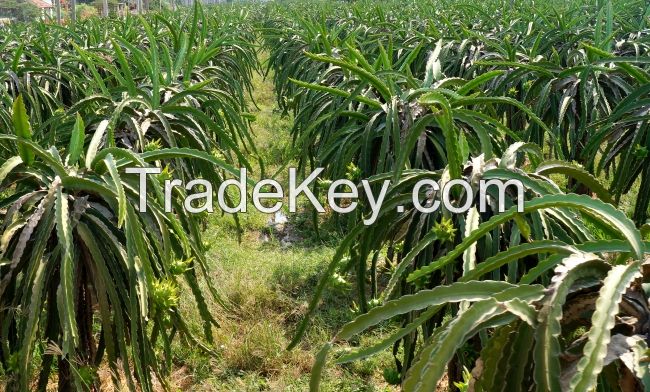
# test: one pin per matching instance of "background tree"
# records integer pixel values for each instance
(20, 10)
(57, 4)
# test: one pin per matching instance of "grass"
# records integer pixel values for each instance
(268, 280)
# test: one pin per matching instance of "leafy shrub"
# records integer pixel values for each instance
(85, 11)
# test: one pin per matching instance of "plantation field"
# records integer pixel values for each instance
(542, 284)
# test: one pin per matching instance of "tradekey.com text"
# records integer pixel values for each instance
(342, 195)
